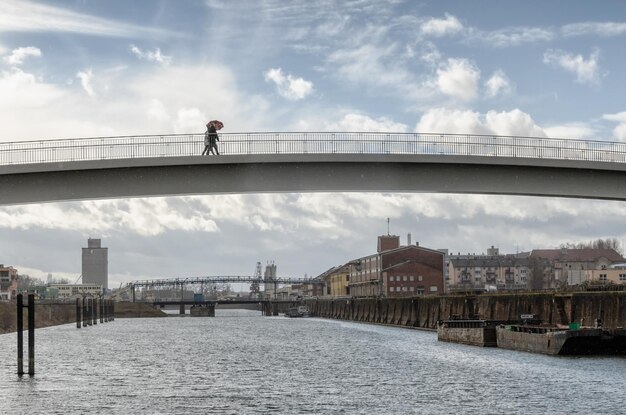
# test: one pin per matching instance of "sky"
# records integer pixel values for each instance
(86, 68)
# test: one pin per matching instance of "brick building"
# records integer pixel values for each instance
(8, 283)
(397, 271)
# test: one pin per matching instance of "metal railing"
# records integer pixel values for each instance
(146, 146)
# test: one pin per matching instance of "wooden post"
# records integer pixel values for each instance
(95, 311)
(78, 313)
(112, 310)
(101, 310)
(84, 313)
(31, 334)
(20, 335)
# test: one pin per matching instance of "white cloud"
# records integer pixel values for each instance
(86, 78)
(18, 55)
(458, 78)
(498, 84)
(443, 120)
(513, 36)
(289, 86)
(442, 27)
(362, 123)
(27, 16)
(155, 56)
(575, 130)
(620, 130)
(136, 103)
(594, 28)
(586, 70)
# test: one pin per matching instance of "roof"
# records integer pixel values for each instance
(577, 255)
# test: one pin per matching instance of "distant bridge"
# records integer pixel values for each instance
(163, 165)
(183, 281)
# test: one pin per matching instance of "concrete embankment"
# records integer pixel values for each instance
(424, 312)
(53, 314)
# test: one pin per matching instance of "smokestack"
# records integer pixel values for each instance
(408, 239)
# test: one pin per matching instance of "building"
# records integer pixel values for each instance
(95, 264)
(8, 283)
(488, 273)
(77, 290)
(573, 266)
(336, 281)
(397, 271)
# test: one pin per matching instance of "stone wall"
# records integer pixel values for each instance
(423, 312)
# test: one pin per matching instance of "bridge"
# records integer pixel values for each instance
(165, 165)
(182, 281)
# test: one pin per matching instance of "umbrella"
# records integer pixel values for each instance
(217, 124)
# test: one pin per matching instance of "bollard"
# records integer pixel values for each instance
(112, 310)
(101, 310)
(20, 335)
(77, 313)
(31, 334)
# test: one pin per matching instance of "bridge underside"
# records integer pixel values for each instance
(310, 173)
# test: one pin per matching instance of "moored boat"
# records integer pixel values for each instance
(473, 332)
(557, 340)
(300, 311)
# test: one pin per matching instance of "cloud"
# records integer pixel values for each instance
(620, 130)
(27, 16)
(86, 78)
(155, 56)
(362, 123)
(512, 36)
(18, 55)
(498, 84)
(458, 78)
(288, 86)
(586, 71)
(449, 121)
(441, 27)
(606, 29)
(576, 130)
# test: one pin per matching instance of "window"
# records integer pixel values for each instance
(404, 289)
(433, 289)
(390, 289)
(411, 288)
(603, 277)
(419, 278)
(391, 278)
(412, 278)
(622, 277)
(404, 278)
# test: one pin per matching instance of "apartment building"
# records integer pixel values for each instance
(8, 283)
(575, 266)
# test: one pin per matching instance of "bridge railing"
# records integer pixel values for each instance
(148, 146)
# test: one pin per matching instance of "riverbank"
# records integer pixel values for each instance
(54, 314)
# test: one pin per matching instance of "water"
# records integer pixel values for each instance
(243, 363)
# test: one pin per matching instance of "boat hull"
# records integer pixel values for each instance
(585, 341)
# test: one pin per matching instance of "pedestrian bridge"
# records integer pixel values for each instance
(167, 165)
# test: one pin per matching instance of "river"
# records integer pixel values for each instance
(242, 363)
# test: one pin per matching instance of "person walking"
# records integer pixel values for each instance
(211, 138)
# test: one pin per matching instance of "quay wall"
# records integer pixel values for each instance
(424, 312)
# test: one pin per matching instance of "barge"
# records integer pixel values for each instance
(468, 331)
(558, 340)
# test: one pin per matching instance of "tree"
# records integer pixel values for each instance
(25, 281)
(608, 243)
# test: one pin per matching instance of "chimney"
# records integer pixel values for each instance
(408, 239)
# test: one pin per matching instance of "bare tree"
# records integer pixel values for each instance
(608, 243)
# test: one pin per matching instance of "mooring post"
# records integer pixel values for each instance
(20, 335)
(31, 334)
(95, 311)
(112, 310)
(84, 313)
(77, 313)
(101, 310)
